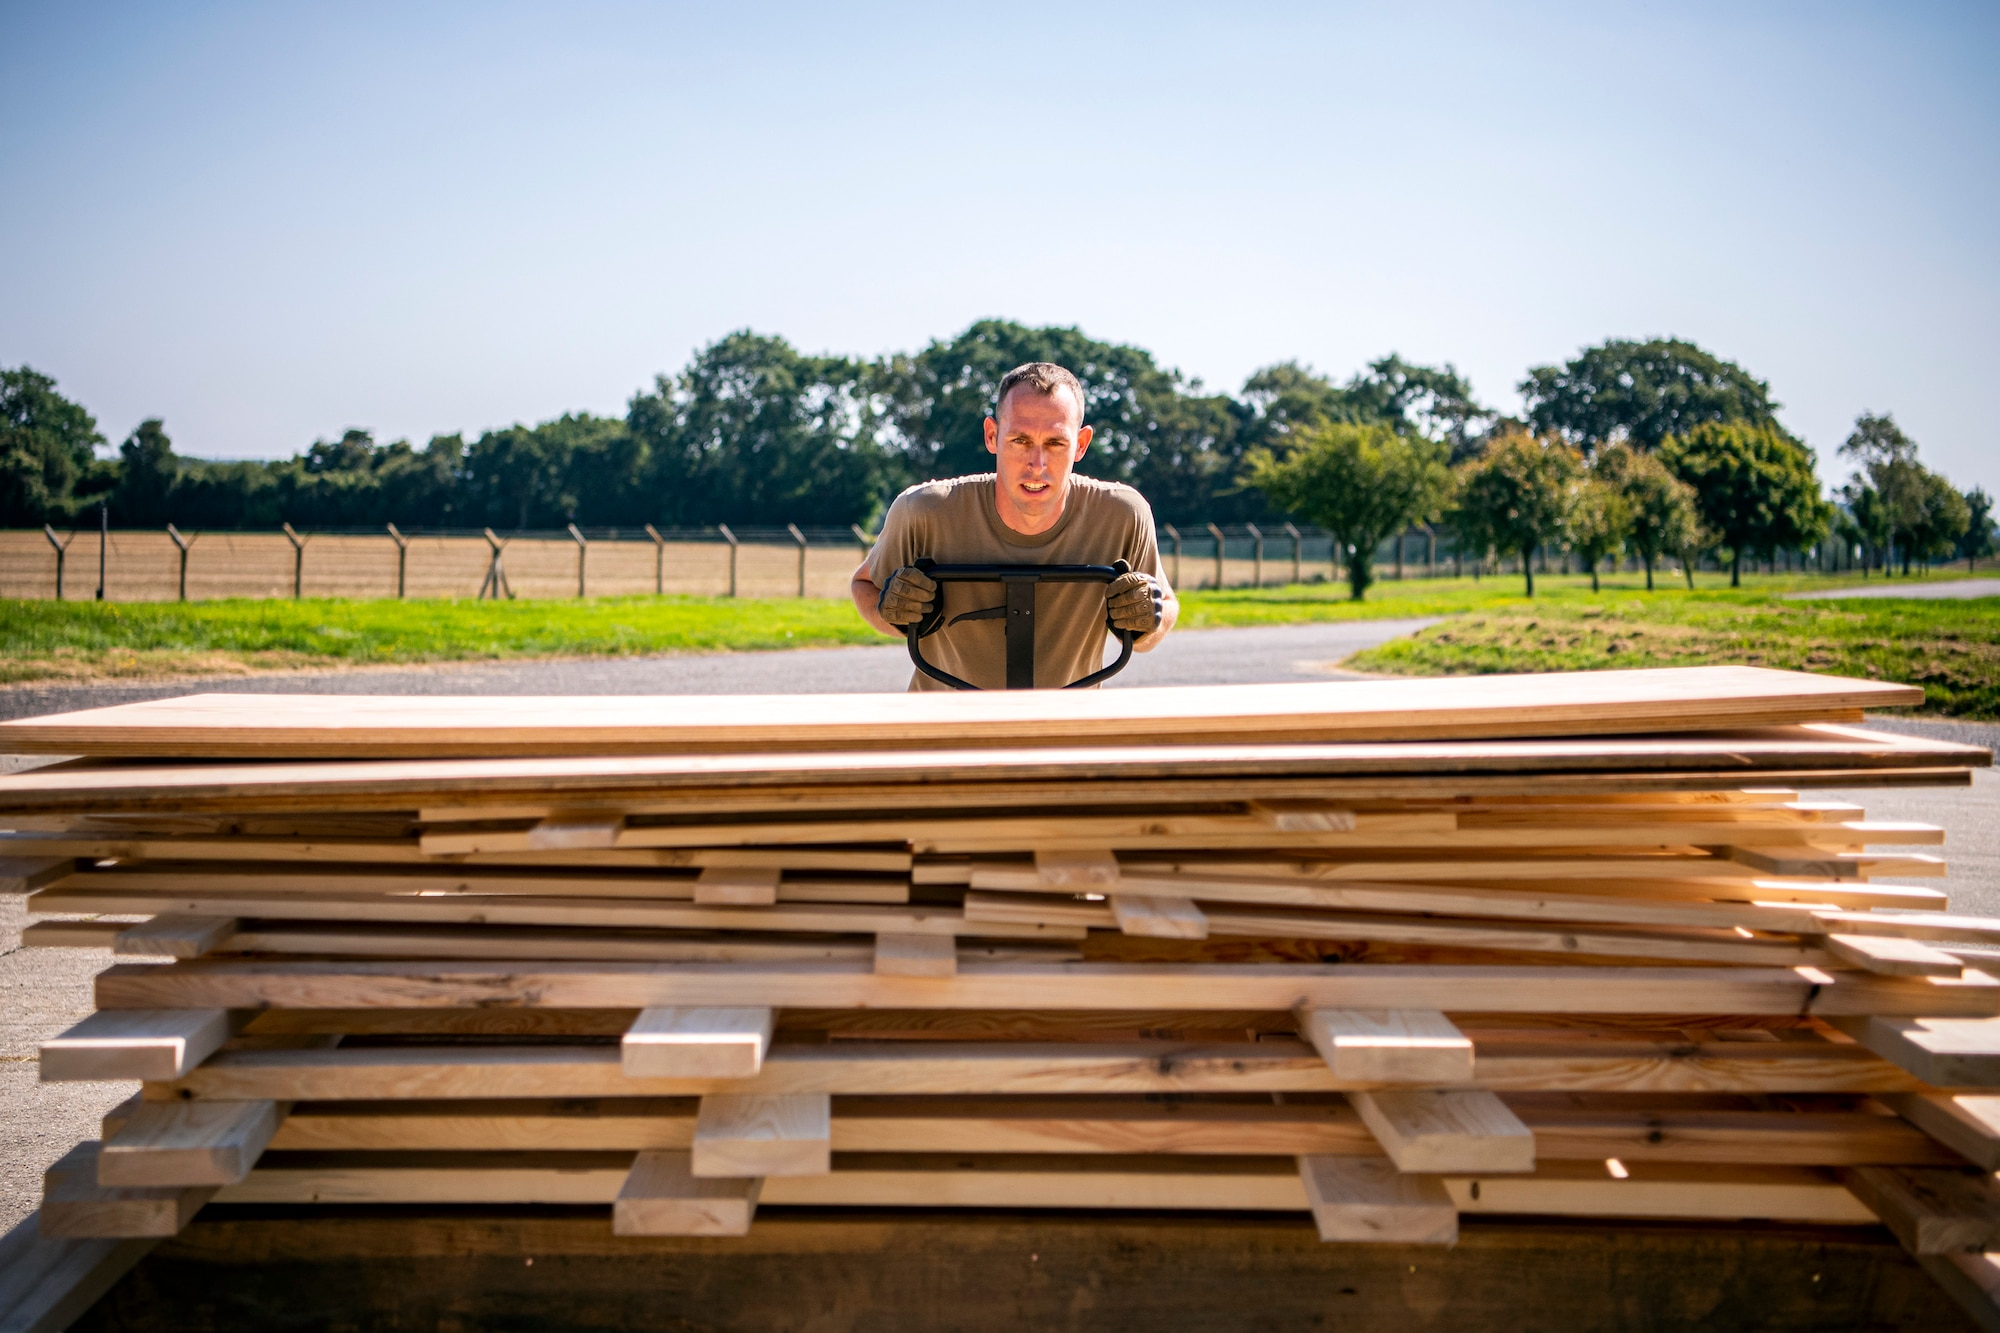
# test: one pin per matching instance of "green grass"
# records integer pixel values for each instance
(1951, 648)
(94, 640)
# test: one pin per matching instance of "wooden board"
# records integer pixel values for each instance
(206, 1143)
(134, 1043)
(1368, 1200)
(1572, 703)
(229, 984)
(1389, 1046)
(758, 1135)
(697, 1043)
(661, 1196)
(1439, 1130)
(958, 1068)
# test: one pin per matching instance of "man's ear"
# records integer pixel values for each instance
(1082, 442)
(992, 436)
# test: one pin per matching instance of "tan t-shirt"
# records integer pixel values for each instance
(955, 522)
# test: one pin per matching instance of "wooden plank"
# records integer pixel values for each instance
(235, 878)
(25, 874)
(134, 1043)
(753, 1135)
(334, 984)
(1649, 1130)
(679, 1042)
(1076, 869)
(1389, 1046)
(1894, 957)
(737, 886)
(833, 918)
(1659, 1190)
(662, 1196)
(1967, 1123)
(564, 833)
(1369, 1200)
(1439, 1130)
(196, 1143)
(472, 941)
(1562, 703)
(1160, 918)
(915, 956)
(72, 934)
(1023, 1067)
(47, 1283)
(174, 935)
(76, 1207)
(1944, 1052)
(1932, 1210)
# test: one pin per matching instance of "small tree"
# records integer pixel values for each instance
(1978, 538)
(1939, 518)
(1660, 506)
(1754, 486)
(1361, 483)
(1517, 496)
(1600, 520)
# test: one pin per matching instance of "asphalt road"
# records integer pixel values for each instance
(43, 991)
(1957, 589)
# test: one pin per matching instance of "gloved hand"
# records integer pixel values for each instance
(909, 597)
(1135, 602)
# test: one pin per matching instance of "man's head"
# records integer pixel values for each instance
(1036, 435)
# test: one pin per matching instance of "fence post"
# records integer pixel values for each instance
(103, 544)
(1174, 535)
(402, 561)
(730, 537)
(1217, 534)
(496, 573)
(1256, 555)
(582, 559)
(1298, 553)
(298, 562)
(62, 551)
(659, 560)
(800, 538)
(1431, 558)
(183, 543)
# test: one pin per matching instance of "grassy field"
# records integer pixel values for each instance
(1951, 648)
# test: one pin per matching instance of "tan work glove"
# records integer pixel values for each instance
(909, 597)
(1135, 602)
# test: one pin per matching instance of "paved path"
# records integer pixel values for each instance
(1958, 589)
(1190, 657)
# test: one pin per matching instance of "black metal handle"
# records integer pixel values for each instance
(1020, 582)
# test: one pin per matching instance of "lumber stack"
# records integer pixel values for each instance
(1381, 954)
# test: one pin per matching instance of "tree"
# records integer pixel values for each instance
(1940, 518)
(1888, 459)
(754, 431)
(1754, 487)
(1978, 538)
(1517, 497)
(1660, 507)
(1641, 393)
(1361, 483)
(1426, 401)
(1600, 520)
(148, 472)
(1868, 521)
(47, 446)
(1151, 426)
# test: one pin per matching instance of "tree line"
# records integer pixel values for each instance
(1654, 447)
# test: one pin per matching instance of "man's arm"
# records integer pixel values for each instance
(1170, 611)
(868, 601)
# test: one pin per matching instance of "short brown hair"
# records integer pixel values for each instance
(1044, 377)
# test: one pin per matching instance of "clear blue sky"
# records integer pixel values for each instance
(267, 223)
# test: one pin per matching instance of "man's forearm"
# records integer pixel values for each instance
(868, 601)
(1170, 611)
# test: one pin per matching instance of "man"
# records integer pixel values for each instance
(1032, 509)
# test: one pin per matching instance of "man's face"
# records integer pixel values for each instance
(1035, 442)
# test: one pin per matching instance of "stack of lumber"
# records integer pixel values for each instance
(1379, 953)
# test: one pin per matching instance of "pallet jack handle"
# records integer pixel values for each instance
(1020, 582)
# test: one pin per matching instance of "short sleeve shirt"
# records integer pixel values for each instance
(957, 522)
